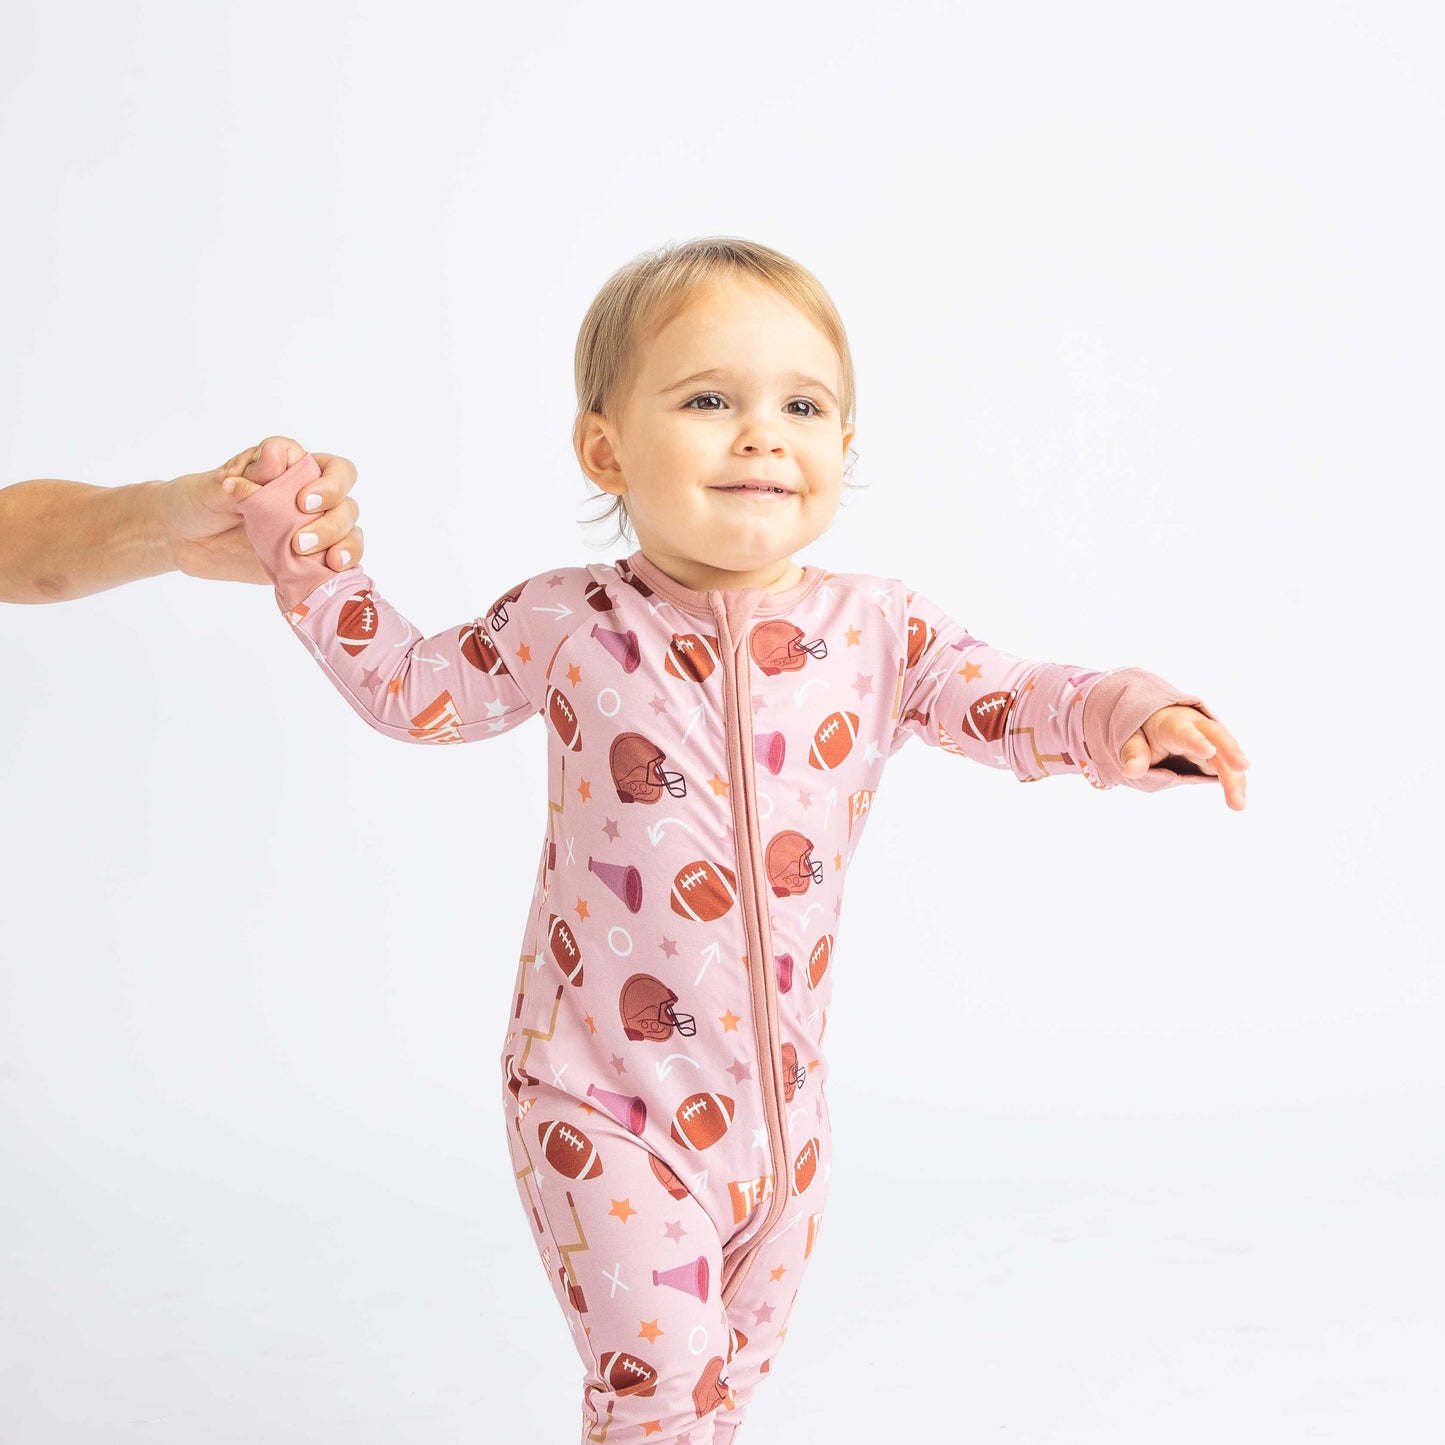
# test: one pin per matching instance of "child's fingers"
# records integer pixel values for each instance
(1223, 739)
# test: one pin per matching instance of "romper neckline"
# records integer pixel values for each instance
(755, 601)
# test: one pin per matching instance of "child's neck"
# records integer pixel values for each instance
(779, 576)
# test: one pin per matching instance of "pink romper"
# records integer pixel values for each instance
(712, 759)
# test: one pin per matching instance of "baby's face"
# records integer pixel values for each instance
(770, 413)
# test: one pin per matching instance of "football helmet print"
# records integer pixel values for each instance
(777, 646)
(637, 770)
(649, 1010)
(790, 864)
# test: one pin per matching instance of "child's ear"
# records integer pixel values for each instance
(592, 442)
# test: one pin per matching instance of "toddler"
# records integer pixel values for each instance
(718, 719)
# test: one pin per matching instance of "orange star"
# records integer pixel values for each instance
(729, 1021)
(574, 674)
(590, 1022)
(581, 909)
(852, 635)
(651, 1427)
(969, 671)
(523, 653)
(649, 1331)
(394, 685)
(838, 861)
(623, 1209)
(584, 790)
(718, 786)
(779, 1272)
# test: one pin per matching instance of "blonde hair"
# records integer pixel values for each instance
(640, 298)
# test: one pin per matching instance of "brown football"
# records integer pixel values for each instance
(702, 1119)
(568, 1150)
(357, 624)
(561, 716)
(703, 891)
(833, 740)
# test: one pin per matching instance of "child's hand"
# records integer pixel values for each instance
(1181, 731)
(203, 529)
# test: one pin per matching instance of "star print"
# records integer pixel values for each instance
(623, 1209)
(852, 635)
(581, 909)
(740, 1071)
(584, 790)
(649, 1331)
(837, 906)
(651, 1427)
(760, 1137)
(764, 1315)
(871, 753)
(864, 685)
(668, 947)
(675, 1231)
(555, 580)
(757, 701)
(969, 671)
(371, 679)
(805, 800)
(837, 860)
(778, 1273)
(718, 786)
(619, 1063)
(574, 674)
(611, 829)
(658, 704)
(523, 653)
(729, 1021)
(590, 1022)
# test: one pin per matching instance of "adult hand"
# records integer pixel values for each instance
(202, 523)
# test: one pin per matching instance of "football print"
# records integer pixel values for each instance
(357, 623)
(805, 1166)
(691, 656)
(834, 739)
(704, 891)
(986, 717)
(563, 719)
(627, 1375)
(565, 949)
(818, 960)
(568, 1150)
(702, 1119)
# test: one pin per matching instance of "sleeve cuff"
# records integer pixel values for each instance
(270, 518)
(1114, 710)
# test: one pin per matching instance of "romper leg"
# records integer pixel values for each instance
(760, 1312)
(636, 1269)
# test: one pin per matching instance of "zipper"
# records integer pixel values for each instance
(760, 973)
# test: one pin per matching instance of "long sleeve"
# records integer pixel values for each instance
(471, 681)
(1038, 719)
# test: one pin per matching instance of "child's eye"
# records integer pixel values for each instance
(803, 400)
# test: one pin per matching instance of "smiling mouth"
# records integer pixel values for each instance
(761, 491)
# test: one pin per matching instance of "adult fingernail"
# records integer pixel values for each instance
(313, 501)
(308, 541)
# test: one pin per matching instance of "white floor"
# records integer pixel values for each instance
(1276, 1275)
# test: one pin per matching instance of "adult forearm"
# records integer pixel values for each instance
(61, 540)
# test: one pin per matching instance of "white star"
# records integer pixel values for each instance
(760, 1138)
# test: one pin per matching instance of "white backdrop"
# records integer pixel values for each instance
(1137, 1100)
